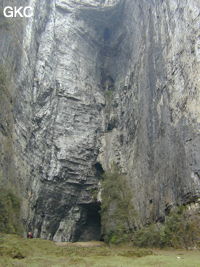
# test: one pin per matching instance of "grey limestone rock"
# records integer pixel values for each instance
(97, 82)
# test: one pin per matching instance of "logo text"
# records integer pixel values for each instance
(13, 12)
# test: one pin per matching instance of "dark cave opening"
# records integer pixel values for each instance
(106, 34)
(112, 124)
(107, 82)
(91, 227)
(99, 169)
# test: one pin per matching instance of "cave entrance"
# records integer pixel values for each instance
(91, 228)
(99, 169)
(107, 34)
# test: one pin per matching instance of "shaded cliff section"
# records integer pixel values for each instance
(11, 36)
(11, 180)
(10, 49)
(155, 137)
(16, 78)
(101, 83)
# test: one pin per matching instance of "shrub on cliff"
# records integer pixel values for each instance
(9, 212)
(2, 79)
(180, 230)
(150, 236)
(117, 210)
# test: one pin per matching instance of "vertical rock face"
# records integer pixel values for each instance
(11, 43)
(99, 82)
(155, 139)
(67, 120)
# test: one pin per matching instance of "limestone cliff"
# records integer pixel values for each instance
(97, 83)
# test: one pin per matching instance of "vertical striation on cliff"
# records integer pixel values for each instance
(155, 141)
(68, 111)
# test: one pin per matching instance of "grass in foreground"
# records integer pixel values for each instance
(16, 251)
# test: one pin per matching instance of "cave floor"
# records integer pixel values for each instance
(16, 251)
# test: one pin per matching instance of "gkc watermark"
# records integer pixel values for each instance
(14, 12)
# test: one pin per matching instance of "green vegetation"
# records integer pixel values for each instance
(180, 230)
(4, 85)
(150, 236)
(116, 205)
(3, 79)
(9, 202)
(36, 252)
(109, 99)
(9, 212)
(109, 94)
(16, 251)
